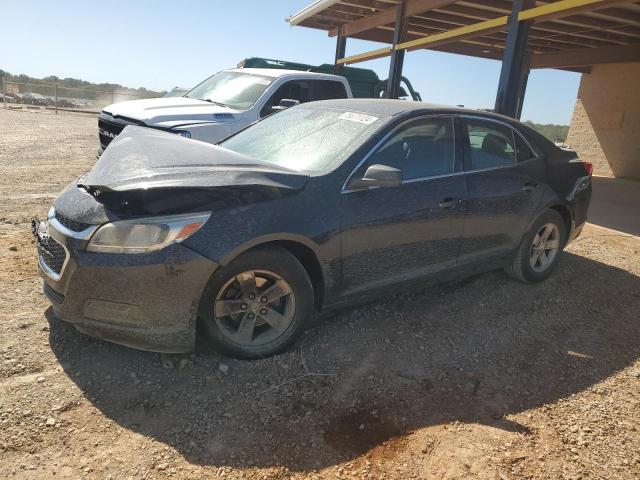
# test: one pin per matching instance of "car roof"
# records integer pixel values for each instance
(280, 72)
(388, 107)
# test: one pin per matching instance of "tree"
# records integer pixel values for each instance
(71, 83)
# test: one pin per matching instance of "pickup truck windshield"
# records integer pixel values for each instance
(232, 89)
(305, 138)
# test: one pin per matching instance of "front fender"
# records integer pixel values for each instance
(270, 238)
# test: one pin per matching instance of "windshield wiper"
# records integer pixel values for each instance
(220, 104)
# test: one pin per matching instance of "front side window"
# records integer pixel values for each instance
(421, 148)
(293, 90)
(236, 90)
(306, 138)
(490, 144)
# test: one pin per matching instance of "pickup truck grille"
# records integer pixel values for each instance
(107, 131)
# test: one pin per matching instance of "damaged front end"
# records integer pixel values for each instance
(115, 264)
(147, 171)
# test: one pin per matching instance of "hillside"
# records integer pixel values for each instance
(555, 133)
(75, 83)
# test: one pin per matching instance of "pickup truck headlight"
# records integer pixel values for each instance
(145, 235)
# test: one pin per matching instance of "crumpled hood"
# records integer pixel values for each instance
(146, 159)
(176, 110)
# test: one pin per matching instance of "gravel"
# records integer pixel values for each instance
(482, 378)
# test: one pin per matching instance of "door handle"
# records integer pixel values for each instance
(529, 187)
(448, 203)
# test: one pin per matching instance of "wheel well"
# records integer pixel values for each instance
(309, 261)
(565, 213)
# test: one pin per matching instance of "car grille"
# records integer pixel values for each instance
(52, 253)
(52, 294)
(108, 130)
(71, 224)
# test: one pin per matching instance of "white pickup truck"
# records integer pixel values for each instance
(223, 104)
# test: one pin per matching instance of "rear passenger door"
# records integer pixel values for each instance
(503, 181)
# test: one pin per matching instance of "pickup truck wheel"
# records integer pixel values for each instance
(258, 304)
(540, 249)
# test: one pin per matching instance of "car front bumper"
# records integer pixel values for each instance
(146, 301)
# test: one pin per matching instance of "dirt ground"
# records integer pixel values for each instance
(485, 378)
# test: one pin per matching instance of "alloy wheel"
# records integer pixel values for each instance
(254, 307)
(545, 247)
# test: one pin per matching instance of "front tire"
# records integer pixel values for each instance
(258, 304)
(540, 249)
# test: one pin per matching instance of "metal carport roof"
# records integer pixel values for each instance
(563, 34)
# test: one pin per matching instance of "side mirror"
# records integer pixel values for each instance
(378, 176)
(284, 104)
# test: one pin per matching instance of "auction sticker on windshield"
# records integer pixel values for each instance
(358, 117)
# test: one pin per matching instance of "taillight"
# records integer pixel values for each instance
(588, 166)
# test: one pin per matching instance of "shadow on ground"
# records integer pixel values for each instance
(614, 204)
(473, 352)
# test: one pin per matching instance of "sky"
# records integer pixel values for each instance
(160, 44)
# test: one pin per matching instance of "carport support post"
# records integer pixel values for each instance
(341, 47)
(522, 88)
(515, 63)
(397, 56)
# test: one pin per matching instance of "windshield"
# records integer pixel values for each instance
(236, 90)
(305, 138)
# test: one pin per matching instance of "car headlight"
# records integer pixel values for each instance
(183, 133)
(145, 235)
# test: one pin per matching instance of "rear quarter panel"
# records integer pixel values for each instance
(564, 171)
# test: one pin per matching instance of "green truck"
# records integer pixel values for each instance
(364, 83)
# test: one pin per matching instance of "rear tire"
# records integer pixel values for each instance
(540, 249)
(258, 304)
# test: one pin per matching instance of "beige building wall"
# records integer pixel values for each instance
(605, 127)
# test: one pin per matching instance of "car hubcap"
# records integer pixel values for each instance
(544, 247)
(254, 307)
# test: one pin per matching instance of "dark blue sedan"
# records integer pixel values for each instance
(310, 209)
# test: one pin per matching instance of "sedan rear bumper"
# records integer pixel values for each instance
(145, 301)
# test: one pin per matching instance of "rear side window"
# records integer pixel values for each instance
(523, 152)
(490, 144)
(328, 90)
(421, 148)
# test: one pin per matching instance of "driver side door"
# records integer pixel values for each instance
(395, 234)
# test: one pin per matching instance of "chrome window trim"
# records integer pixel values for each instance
(433, 177)
(373, 149)
(500, 167)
